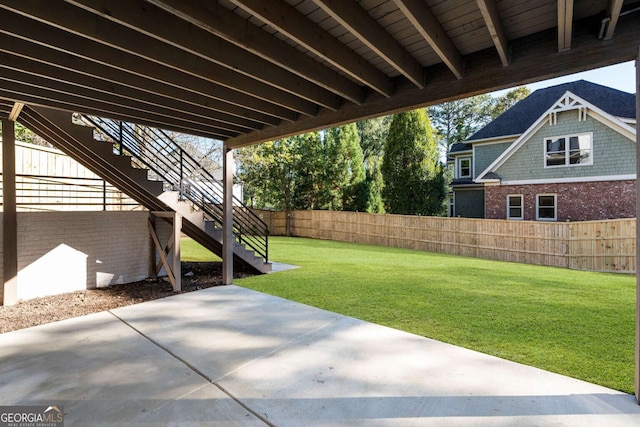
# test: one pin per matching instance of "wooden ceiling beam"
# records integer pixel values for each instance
(565, 24)
(288, 21)
(421, 17)
(29, 95)
(225, 24)
(358, 22)
(41, 42)
(82, 97)
(42, 74)
(613, 14)
(535, 58)
(67, 66)
(494, 26)
(86, 24)
(157, 24)
(89, 81)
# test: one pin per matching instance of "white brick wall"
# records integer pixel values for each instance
(67, 251)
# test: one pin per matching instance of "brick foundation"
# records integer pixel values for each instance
(580, 201)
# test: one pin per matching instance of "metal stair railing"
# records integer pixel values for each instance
(159, 153)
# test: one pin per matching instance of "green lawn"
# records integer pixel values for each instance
(193, 252)
(575, 323)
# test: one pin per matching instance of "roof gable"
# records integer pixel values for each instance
(525, 113)
(568, 101)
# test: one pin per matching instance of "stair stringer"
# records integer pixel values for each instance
(198, 218)
(78, 143)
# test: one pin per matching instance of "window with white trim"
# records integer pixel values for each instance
(568, 150)
(515, 208)
(546, 207)
(464, 167)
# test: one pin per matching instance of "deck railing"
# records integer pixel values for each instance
(60, 193)
(169, 162)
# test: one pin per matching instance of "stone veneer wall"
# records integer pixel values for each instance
(580, 201)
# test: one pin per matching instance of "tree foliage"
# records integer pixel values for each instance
(413, 175)
(508, 100)
(456, 121)
(374, 185)
(345, 166)
(307, 171)
(373, 134)
(268, 172)
(24, 134)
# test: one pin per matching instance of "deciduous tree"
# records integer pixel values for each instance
(508, 100)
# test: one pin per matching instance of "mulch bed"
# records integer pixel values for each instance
(38, 311)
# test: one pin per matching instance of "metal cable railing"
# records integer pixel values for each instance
(160, 154)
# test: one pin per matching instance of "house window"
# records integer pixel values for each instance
(546, 207)
(464, 167)
(568, 150)
(514, 207)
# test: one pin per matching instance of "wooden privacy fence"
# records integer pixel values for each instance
(607, 246)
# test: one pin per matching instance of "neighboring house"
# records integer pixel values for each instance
(564, 153)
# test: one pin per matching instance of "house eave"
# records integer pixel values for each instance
(592, 111)
(494, 139)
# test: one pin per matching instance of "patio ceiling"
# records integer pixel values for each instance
(247, 71)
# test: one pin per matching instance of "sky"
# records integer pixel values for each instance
(620, 76)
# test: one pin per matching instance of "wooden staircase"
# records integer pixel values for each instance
(78, 142)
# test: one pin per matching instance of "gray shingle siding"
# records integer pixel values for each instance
(485, 154)
(613, 154)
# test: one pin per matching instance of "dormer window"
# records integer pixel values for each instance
(464, 167)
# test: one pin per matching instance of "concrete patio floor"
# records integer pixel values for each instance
(229, 356)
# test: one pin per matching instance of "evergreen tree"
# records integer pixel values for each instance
(373, 134)
(310, 184)
(345, 167)
(374, 185)
(413, 177)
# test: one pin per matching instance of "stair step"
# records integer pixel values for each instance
(118, 170)
(102, 149)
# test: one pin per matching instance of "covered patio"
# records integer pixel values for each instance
(249, 71)
(229, 356)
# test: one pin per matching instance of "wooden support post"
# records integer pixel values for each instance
(172, 248)
(637, 379)
(177, 266)
(153, 253)
(9, 294)
(227, 217)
